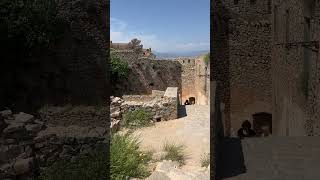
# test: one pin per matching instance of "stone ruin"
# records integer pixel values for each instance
(163, 106)
(266, 65)
(29, 144)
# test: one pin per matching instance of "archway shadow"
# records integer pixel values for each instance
(231, 161)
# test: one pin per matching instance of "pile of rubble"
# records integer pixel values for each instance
(28, 144)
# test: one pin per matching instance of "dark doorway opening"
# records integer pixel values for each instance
(192, 100)
(262, 124)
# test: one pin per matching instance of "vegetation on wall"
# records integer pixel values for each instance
(28, 25)
(137, 118)
(207, 58)
(119, 72)
(85, 167)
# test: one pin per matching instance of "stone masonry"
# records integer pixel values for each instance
(266, 57)
(295, 67)
(162, 106)
(148, 74)
(245, 72)
(29, 144)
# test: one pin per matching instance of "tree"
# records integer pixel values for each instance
(135, 44)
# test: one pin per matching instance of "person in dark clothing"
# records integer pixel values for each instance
(246, 130)
(186, 103)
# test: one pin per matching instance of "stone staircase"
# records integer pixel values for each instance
(271, 158)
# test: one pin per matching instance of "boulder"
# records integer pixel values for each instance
(156, 175)
(115, 114)
(24, 118)
(5, 113)
(13, 128)
(3, 124)
(33, 128)
(22, 166)
(167, 165)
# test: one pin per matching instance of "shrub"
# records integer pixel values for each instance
(137, 118)
(174, 153)
(126, 160)
(84, 168)
(205, 160)
(207, 58)
(119, 72)
(119, 69)
(29, 24)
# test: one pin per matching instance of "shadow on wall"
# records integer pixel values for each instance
(223, 166)
(231, 161)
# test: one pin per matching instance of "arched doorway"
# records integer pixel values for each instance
(192, 100)
(262, 123)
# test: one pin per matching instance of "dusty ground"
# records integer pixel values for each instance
(192, 131)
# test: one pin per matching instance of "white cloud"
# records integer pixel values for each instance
(193, 46)
(117, 24)
(119, 33)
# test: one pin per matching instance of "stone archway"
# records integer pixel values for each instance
(262, 123)
(192, 100)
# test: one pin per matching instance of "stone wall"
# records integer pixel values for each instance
(188, 78)
(295, 68)
(28, 144)
(84, 116)
(202, 81)
(72, 70)
(246, 55)
(148, 74)
(162, 108)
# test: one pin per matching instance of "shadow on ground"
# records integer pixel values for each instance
(182, 112)
(231, 161)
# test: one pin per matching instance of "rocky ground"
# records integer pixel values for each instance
(28, 144)
(192, 131)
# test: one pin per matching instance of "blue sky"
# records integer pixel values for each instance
(163, 25)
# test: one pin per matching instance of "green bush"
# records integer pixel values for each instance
(92, 167)
(126, 158)
(205, 160)
(207, 58)
(137, 118)
(174, 153)
(29, 25)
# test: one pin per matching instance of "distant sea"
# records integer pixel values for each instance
(165, 55)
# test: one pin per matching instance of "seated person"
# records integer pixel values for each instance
(246, 130)
(186, 103)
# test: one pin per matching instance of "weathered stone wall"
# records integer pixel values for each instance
(295, 68)
(246, 52)
(220, 66)
(28, 144)
(148, 74)
(84, 116)
(188, 78)
(202, 81)
(162, 108)
(72, 70)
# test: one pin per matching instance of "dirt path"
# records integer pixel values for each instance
(192, 131)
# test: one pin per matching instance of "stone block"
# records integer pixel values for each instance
(23, 166)
(24, 118)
